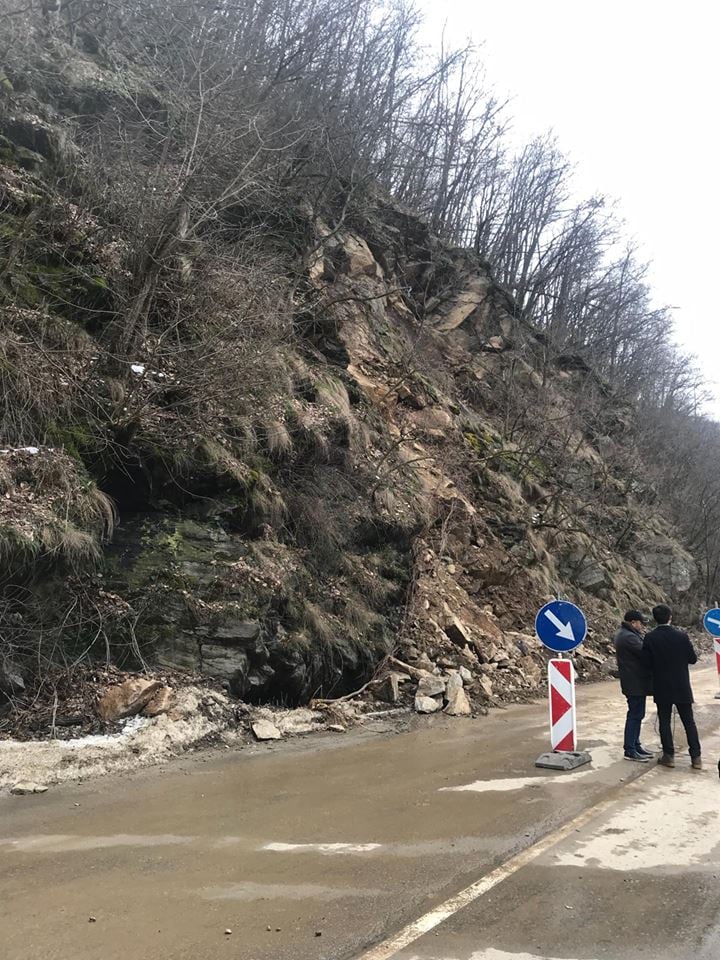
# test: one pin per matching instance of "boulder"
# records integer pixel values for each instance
(458, 632)
(424, 662)
(469, 655)
(432, 421)
(486, 686)
(593, 577)
(487, 651)
(466, 674)
(458, 704)
(430, 686)
(415, 673)
(530, 670)
(128, 698)
(388, 688)
(27, 787)
(485, 624)
(494, 345)
(585, 653)
(265, 730)
(358, 260)
(160, 703)
(426, 705)
(666, 563)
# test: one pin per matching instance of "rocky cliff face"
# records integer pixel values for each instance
(406, 465)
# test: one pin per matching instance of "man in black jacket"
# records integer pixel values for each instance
(635, 682)
(668, 652)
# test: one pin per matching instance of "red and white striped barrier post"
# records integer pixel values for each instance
(561, 688)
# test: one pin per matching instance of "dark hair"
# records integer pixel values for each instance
(633, 616)
(662, 614)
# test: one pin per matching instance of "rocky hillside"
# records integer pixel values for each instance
(327, 440)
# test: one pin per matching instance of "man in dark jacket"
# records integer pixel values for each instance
(635, 682)
(668, 652)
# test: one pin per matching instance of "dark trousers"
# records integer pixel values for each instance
(633, 721)
(685, 712)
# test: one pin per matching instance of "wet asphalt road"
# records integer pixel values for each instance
(324, 849)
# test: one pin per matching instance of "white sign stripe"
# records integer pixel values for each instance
(561, 684)
(561, 726)
(564, 726)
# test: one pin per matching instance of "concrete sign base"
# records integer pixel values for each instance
(563, 759)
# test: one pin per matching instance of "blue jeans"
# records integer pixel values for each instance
(635, 716)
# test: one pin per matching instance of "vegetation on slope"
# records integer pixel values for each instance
(218, 322)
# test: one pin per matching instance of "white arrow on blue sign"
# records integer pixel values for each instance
(561, 626)
(711, 622)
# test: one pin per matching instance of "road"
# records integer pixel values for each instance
(441, 843)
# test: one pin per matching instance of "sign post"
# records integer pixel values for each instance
(561, 627)
(561, 692)
(711, 622)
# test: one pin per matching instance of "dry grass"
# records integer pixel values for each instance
(318, 623)
(276, 439)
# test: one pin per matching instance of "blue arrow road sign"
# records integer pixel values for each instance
(561, 626)
(711, 622)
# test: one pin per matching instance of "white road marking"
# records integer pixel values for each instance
(413, 931)
(67, 843)
(249, 892)
(500, 786)
(323, 848)
(504, 955)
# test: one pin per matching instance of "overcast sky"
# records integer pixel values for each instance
(631, 89)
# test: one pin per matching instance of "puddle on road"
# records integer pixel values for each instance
(603, 756)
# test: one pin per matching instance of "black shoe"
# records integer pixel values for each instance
(645, 753)
(696, 763)
(719, 768)
(666, 760)
(637, 757)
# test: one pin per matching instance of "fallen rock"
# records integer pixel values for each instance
(426, 705)
(458, 704)
(487, 625)
(530, 670)
(128, 698)
(264, 730)
(160, 703)
(458, 632)
(454, 682)
(432, 421)
(337, 728)
(430, 686)
(465, 674)
(388, 689)
(424, 662)
(415, 673)
(27, 787)
(486, 686)
(359, 261)
(468, 654)
(586, 654)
